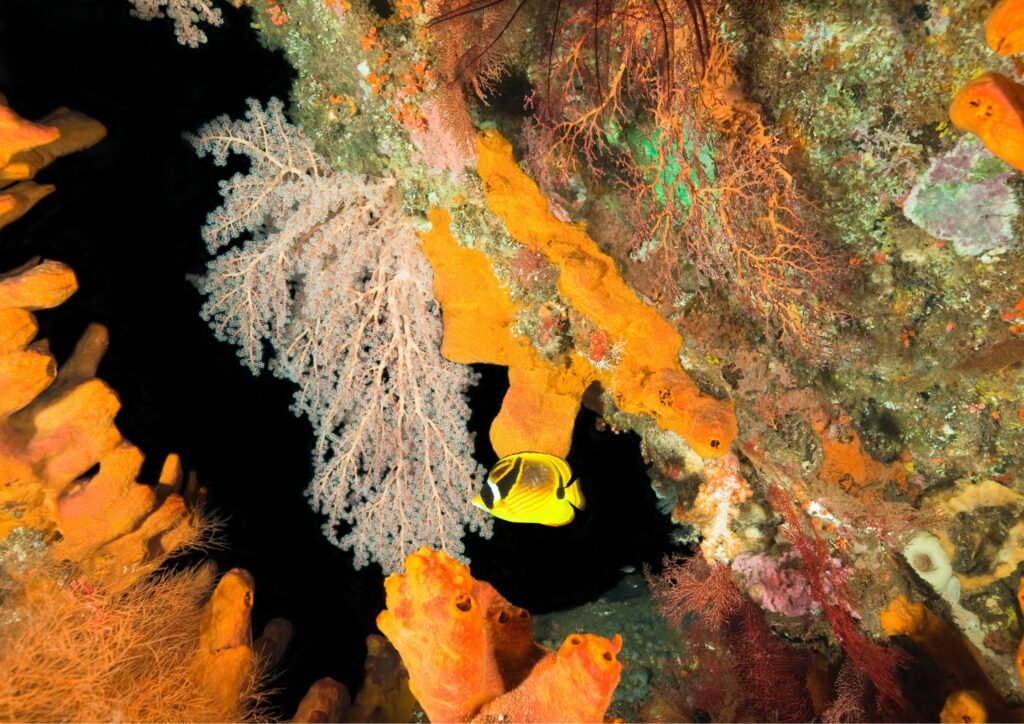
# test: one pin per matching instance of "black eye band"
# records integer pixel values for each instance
(487, 495)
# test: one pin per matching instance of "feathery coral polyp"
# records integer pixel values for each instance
(327, 283)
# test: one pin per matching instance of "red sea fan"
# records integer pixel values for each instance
(879, 663)
(596, 58)
(742, 666)
(690, 585)
(851, 693)
(497, 20)
(772, 672)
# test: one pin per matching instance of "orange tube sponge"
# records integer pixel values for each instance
(225, 666)
(1004, 30)
(75, 131)
(56, 426)
(26, 147)
(17, 134)
(992, 107)
(470, 654)
(1020, 651)
(544, 396)
(574, 684)
(326, 700)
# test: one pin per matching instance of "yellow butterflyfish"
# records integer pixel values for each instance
(531, 487)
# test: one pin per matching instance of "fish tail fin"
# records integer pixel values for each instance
(574, 494)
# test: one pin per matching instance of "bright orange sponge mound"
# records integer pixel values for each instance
(471, 654)
(992, 108)
(1004, 30)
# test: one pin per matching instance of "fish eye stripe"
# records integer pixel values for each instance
(500, 469)
(487, 495)
(504, 464)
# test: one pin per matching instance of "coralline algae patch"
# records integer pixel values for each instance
(965, 197)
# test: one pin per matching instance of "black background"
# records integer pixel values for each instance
(126, 216)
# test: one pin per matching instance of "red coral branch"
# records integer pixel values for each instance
(879, 663)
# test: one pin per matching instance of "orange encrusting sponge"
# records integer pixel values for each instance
(544, 396)
(955, 657)
(1020, 651)
(1004, 30)
(992, 107)
(540, 406)
(471, 654)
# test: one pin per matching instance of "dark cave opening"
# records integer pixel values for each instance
(546, 569)
(126, 217)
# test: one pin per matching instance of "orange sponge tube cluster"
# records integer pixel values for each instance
(57, 427)
(471, 654)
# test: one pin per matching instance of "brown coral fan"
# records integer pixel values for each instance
(471, 655)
